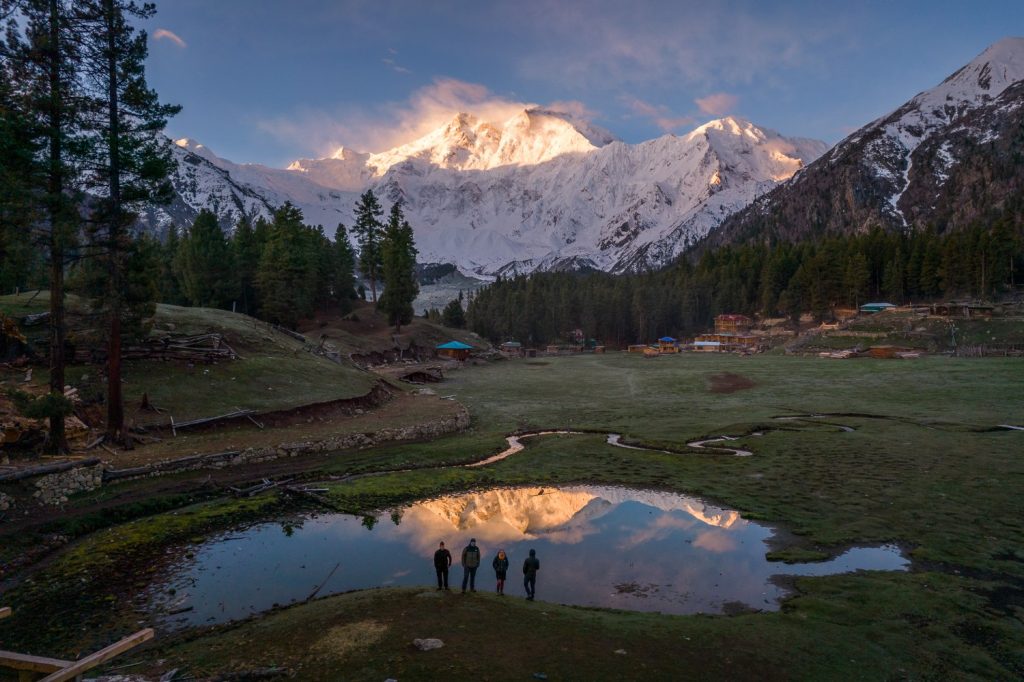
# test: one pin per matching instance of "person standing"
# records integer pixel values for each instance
(442, 560)
(530, 568)
(470, 562)
(500, 565)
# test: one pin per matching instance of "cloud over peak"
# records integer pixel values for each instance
(164, 34)
(717, 104)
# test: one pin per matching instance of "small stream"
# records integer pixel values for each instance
(598, 546)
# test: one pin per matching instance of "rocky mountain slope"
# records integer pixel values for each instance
(542, 190)
(949, 156)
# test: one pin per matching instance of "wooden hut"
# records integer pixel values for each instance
(872, 308)
(667, 344)
(732, 324)
(455, 350)
(513, 348)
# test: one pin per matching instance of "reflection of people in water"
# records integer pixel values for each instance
(442, 560)
(530, 568)
(470, 562)
(500, 565)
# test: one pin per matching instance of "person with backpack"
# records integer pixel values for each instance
(530, 568)
(442, 560)
(470, 562)
(500, 565)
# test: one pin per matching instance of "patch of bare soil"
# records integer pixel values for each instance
(729, 383)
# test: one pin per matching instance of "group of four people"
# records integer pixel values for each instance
(471, 561)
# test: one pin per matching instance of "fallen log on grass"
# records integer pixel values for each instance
(21, 474)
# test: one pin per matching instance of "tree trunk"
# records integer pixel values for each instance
(115, 400)
(57, 442)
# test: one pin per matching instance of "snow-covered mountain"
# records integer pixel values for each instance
(943, 159)
(541, 190)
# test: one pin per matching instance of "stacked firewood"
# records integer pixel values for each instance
(203, 348)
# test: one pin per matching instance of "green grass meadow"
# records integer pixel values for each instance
(922, 467)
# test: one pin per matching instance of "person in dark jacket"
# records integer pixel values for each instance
(470, 562)
(530, 568)
(442, 560)
(500, 565)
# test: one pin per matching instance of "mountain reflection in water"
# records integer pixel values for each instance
(598, 546)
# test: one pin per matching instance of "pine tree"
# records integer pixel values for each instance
(204, 264)
(43, 66)
(343, 286)
(245, 255)
(453, 315)
(135, 159)
(856, 278)
(369, 233)
(169, 281)
(399, 267)
(286, 271)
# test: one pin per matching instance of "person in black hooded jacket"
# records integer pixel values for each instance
(442, 560)
(530, 568)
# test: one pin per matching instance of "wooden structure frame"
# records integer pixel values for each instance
(56, 670)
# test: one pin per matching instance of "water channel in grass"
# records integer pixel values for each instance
(598, 546)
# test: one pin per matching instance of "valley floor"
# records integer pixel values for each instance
(856, 452)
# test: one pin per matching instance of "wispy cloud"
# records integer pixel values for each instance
(164, 34)
(659, 114)
(393, 123)
(717, 104)
(392, 64)
(610, 44)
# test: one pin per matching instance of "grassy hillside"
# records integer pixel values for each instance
(274, 372)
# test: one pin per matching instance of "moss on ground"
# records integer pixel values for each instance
(920, 468)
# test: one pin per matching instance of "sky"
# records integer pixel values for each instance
(270, 81)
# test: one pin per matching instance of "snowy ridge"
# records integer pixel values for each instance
(898, 134)
(539, 191)
(943, 159)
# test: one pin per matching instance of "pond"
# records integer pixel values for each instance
(598, 546)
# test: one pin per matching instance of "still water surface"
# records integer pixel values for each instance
(598, 546)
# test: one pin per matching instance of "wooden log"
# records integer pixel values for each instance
(206, 420)
(173, 465)
(101, 656)
(5, 612)
(21, 474)
(27, 662)
(35, 318)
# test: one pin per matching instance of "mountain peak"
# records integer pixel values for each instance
(201, 150)
(467, 142)
(983, 78)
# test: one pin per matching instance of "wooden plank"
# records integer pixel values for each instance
(5, 612)
(101, 656)
(38, 664)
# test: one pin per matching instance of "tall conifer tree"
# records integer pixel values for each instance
(369, 233)
(399, 260)
(134, 162)
(43, 66)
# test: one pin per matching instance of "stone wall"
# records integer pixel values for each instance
(55, 488)
(350, 441)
